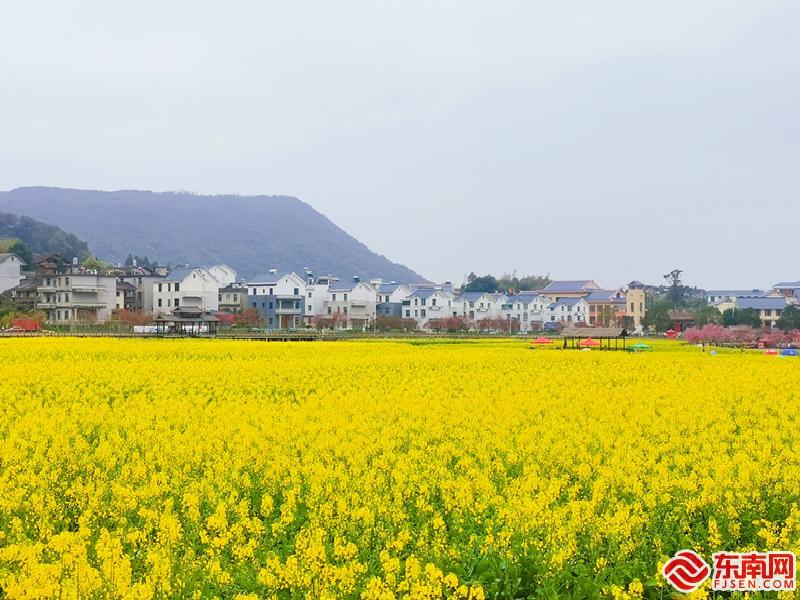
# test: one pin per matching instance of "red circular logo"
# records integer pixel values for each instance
(686, 571)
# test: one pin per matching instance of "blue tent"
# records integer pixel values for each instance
(788, 352)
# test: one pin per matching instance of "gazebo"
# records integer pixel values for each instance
(603, 338)
(187, 321)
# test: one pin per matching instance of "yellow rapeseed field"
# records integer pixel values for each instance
(377, 470)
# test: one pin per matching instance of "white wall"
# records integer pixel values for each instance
(10, 273)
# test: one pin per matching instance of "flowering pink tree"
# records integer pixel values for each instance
(693, 335)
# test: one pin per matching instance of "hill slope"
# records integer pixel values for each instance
(249, 233)
(42, 238)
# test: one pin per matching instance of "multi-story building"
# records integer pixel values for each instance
(567, 311)
(193, 288)
(351, 305)
(280, 299)
(233, 297)
(606, 307)
(142, 278)
(390, 299)
(769, 309)
(77, 295)
(10, 271)
(125, 296)
(525, 310)
(579, 288)
(474, 306)
(426, 305)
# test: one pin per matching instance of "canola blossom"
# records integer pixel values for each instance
(379, 470)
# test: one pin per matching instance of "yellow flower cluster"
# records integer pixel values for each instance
(380, 470)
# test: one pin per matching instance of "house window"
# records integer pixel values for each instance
(296, 291)
(235, 297)
(254, 305)
(329, 310)
(334, 297)
(345, 297)
(632, 309)
(345, 310)
(220, 297)
(169, 287)
(309, 308)
(270, 305)
(416, 313)
(472, 305)
(433, 301)
(167, 302)
(177, 302)
(422, 312)
(159, 303)
(408, 313)
(270, 291)
(66, 280)
(309, 294)
(177, 287)
(270, 321)
(424, 300)
(159, 289)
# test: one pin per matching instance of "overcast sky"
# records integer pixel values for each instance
(607, 140)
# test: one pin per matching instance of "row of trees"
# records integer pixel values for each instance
(506, 282)
(712, 333)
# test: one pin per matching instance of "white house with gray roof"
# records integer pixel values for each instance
(351, 304)
(424, 305)
(280, 299)
(10, 271)
(567, 310)
(390, 298)
(527, 308)
(194, 288)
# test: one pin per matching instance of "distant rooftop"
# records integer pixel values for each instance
(766, 303)
(578, 285)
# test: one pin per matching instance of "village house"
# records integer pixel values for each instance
(769, 309)
(10, 271)
(526, 309)
(425, 305)
(126, 295)
(606, 307)
(352, 305)
(233, 297)
(191, 288)
(142, 278)
(78, 295)
(26, 294)
(473, 305)
(316, 295)
(567, 310)
(390, 298)
(280, 299)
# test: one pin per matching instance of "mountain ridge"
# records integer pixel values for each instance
(251, 233)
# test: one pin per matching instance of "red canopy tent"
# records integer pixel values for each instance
(541, 340)
(589, 342)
